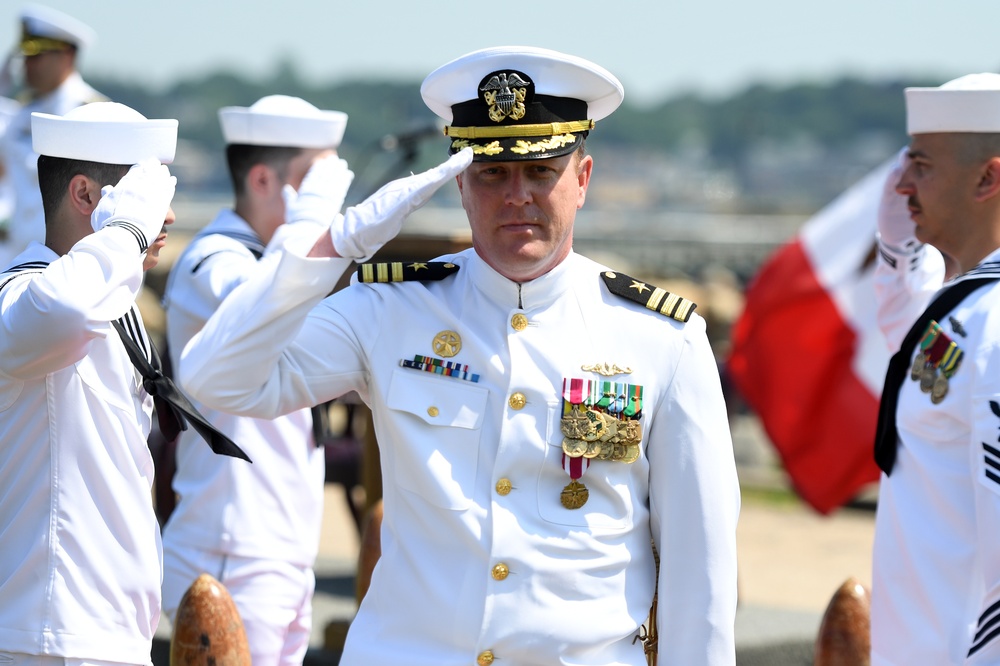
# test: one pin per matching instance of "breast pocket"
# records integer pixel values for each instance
(436, 427)
(609, 487)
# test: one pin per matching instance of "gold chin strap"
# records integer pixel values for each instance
(34, 45)
(504, 131)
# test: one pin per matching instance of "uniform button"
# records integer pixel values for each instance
(503, 487)
(500, 571)
(432, 411)
(519, 322)
(517, 401)
(485, 658)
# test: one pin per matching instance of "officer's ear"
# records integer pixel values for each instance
(989, 180)
(83, 193)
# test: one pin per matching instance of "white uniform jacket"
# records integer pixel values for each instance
(480, 559)
(27, 224)
(272, 509)
(936, 569)
(80, 560)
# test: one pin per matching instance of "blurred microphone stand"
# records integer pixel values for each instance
(405, 147)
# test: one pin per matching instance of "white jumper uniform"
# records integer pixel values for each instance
(936, 568)
(80, 559)
(268, 511)
(480, 560)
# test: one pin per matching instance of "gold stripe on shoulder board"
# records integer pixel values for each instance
(649, 296)
(405, 271)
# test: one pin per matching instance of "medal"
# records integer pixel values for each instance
(941, 357)
(575, 423)
(574, 448)
(574, 495)
(927, 376)
(631, 453)
(940, 389)
(918, 364)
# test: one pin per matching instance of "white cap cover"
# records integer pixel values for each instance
(105, 132)
(280, 120)
(520, 102)
(41, 21)
(969, 103)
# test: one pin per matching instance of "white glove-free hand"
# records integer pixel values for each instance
(321, 193)
(138, 203)
(896, 228)
(368, 226)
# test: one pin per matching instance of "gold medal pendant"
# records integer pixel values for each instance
(574, 448)
(574, 495)
(918, 365)
(927, 377)
(940, 389)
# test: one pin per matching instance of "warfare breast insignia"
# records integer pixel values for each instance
(405, 271)
(936, 361)
(654, 298)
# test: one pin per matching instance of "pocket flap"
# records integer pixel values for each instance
(441, 401)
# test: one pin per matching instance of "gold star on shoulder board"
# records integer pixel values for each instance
(639, 286)
(658, 300)
(416, 266)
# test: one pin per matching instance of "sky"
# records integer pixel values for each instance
(658, 48)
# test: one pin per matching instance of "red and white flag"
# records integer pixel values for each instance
(807, 354)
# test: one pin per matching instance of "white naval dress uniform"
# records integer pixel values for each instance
(269, 512)
(936, 564)
(27, 223)
(80, 558)
(470, 572)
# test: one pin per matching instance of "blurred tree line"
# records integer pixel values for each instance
(831, 118)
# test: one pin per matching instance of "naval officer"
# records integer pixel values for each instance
(544, 421)
(936, 574)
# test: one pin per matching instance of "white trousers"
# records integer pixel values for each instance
(274, 599)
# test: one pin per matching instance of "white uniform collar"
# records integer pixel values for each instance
(538, 293)
(229, 220)
(989, 266)
(34, 252)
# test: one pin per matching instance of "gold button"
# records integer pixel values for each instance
(503, 487)
(432, 411)
(500, 571)
(517, 401)
(485, 658)
(519, 322)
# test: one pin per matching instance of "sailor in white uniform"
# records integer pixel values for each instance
(80, 560)
(255, 528)
(544, 421)
(936, 568)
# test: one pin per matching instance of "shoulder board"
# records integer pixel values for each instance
(408, 271)
(654, 298)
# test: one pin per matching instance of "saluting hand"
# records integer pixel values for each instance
(321, 193)
(369, 225)
(138, 203)
(896, 228)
